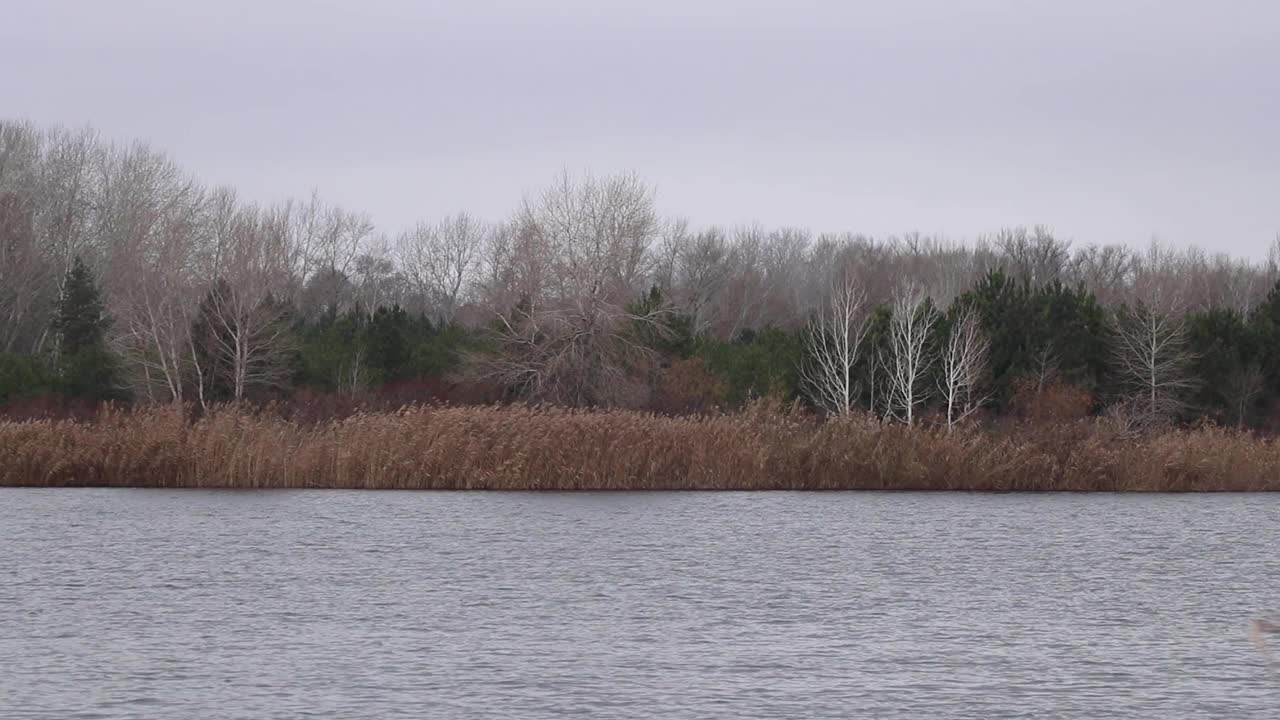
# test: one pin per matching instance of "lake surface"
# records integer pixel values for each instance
(330, 604)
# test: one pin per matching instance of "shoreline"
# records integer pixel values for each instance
(551, 449)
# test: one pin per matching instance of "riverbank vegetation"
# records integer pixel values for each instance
(764, 447)
(138, 306)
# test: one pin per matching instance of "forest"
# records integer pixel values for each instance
(125, 280)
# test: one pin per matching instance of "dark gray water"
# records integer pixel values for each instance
(158, 604)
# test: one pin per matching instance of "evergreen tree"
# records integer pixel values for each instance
(333, 352)
(86, 368)
(1227, 364)
(1264, 324)
(755, 365)
(1053, 333)
(81, 321)
(437, 350)
(22, 376)
(387, 342)
(1067, 336)
(1004, 304)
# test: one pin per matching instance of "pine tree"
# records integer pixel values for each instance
(1264, 324)
(87, 369)
(81, 321)
(386, 343)
(1227, 364)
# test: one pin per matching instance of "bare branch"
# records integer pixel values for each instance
(834, 339)
(910, 356)
(964, 363)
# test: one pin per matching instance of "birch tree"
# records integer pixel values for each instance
(834, 338)
(909, 358)
(243, 335)
(148, 226)
(242, 342)
(963, 365)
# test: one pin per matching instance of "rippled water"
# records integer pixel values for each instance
(143, 603)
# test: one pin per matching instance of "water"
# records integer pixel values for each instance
(185, 604)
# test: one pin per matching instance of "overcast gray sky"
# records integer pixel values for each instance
(1108, 121)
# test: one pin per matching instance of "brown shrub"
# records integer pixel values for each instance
(688, 386)
(767, 446)
(1052, 402)
(49, 407)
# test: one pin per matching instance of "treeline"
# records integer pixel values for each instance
(124, 278)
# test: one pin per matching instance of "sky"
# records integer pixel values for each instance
(1113, 121)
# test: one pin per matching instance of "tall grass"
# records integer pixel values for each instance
(513, 448)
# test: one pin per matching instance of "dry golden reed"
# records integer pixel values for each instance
(515, 448)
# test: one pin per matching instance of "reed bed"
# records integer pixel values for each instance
(515, 448)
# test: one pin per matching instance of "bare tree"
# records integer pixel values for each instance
(1235, 284)
(1150, 345)
(326, 241)
(910, 357)
(1271, 270)
(785, 252)
(834, 339)
(1152, 358)
(1160, 279)
(148, 229)
(1106, 271)
(243, 325)
(1045, 366)
(963, 365)
(26, 278)
(946, 268)
(155, 335)
(749, 287)
(701, 276)
(879, 266)
(441, 260)
(1035, 255)
(374, 279)
(69, 190)
(576, 341)
(246, 342)
(672, 242)
(515, 266)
